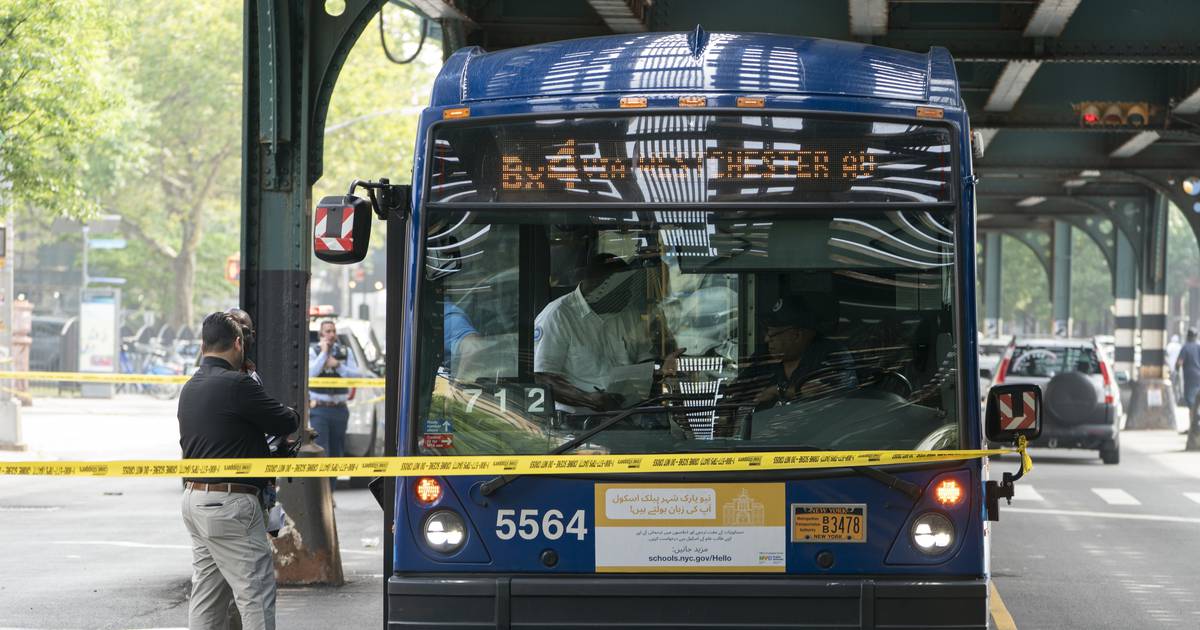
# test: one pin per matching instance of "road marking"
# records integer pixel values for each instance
(1195, 496)
(1026, 492)
(1117, 515)
(1003, 619)
(1116, 496)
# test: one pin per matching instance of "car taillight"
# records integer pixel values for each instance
(1001, 371)
(1108, 389)
(353, 391)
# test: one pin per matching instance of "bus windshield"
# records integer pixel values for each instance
(731, 329)
(727, 281)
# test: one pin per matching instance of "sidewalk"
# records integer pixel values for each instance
(1165, 447)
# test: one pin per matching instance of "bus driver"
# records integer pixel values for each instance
(801, 362)
(581, 337)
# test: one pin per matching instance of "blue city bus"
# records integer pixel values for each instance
(677, 243)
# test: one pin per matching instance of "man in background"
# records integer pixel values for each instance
(1189, 362)
(329, 412)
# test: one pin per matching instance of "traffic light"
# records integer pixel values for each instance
(1113, 114)
(1191, 186)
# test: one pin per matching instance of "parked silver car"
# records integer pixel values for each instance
(1082, 403)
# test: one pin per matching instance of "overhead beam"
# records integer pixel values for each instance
(1026, 163)
(440, 10)
(967, 49)
(1011, 84)
(1134, 145)
(868, 18)
(1050, 17)
(1189, 105)
(1048, 20)
(1068, 124)
(621, 16)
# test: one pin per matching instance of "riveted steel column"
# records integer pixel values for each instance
(1125, 309)
(292, 55)
(1153, 405)
(992, 256)
(1061, 282)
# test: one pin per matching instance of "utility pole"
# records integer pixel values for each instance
(10, 407)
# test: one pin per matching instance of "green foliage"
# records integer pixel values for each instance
(1183, 255)
(1091, 286)
(184, 60)
(135, 109)
(1025, 289)
(372, 123)
(62, 112)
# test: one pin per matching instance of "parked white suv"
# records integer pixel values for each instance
(1082, 405)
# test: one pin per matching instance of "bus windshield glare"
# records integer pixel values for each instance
(739, 327)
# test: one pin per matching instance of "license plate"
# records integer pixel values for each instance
(829, 522)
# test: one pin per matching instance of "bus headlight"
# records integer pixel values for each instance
(933, 533)
(445, 531)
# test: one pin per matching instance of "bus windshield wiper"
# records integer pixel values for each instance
(909, 489)
(495, 483)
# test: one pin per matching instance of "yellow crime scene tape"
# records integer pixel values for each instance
(494, 464)
(167, 379)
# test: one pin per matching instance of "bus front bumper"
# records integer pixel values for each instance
(561, 601)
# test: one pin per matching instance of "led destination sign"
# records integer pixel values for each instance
(576, 164)
(691, 159)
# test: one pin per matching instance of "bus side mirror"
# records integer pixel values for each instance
(342, 229)
(1013, 411)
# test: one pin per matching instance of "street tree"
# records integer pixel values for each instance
(60, 115)
(185, 60)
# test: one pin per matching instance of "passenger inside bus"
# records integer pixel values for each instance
(584, 338)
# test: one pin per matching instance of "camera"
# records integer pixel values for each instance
(338, 351)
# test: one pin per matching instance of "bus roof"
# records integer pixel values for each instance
(697, 62)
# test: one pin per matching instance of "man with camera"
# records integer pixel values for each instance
(328, 413)
(224, 413)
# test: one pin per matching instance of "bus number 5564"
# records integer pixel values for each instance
(528, 526)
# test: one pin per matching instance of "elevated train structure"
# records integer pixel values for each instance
(1086, 116)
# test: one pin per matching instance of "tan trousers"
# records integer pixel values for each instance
(231, 561)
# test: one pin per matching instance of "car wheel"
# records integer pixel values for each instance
(1110, 453)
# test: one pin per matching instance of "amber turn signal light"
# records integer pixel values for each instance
(428, 490)
(948, 493)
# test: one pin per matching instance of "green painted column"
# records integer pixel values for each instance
(1154, 290)
(293, 52)
(1061, 282)
(1152, 400)
(992, 259)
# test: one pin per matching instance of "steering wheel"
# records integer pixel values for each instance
(894, 382)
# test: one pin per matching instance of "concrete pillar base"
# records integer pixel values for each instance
(10, 425)
(306, 550)
(1151, 405)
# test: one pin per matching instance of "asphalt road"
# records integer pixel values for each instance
(1084, 545)
(92, 553)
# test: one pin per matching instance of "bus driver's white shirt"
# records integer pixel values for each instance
(573, 341)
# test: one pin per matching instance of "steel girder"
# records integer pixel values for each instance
(293, 54)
